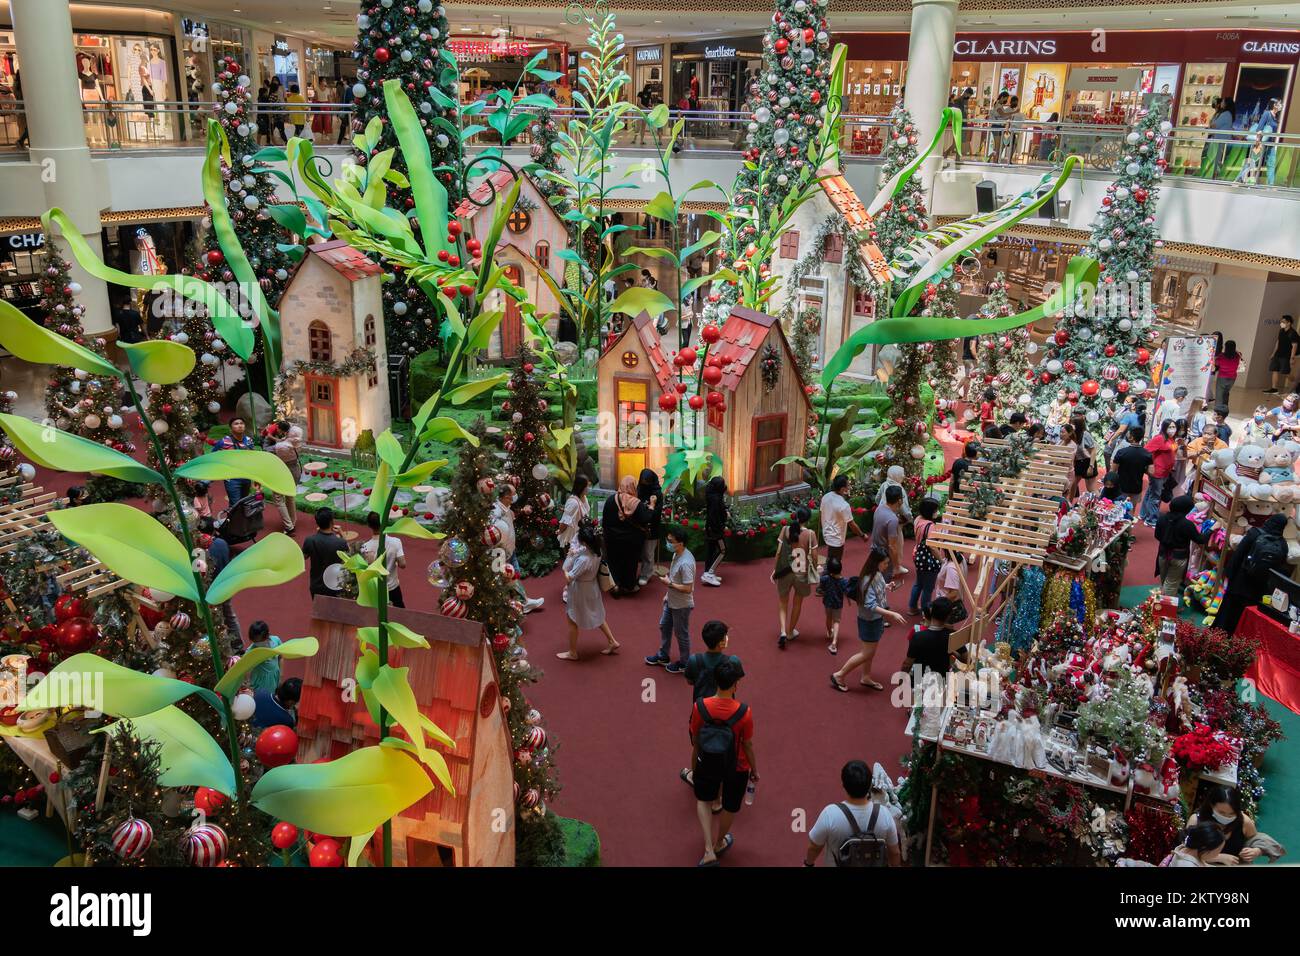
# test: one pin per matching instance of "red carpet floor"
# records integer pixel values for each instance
(620, 725)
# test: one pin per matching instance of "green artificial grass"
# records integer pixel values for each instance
(581, 842)
(42, 842)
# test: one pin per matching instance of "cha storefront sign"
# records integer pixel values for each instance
(26, 240)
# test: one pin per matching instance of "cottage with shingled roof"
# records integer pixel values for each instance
(765, 416)
(333, 380)
(533, 239)
(828, 264)
(455, 684)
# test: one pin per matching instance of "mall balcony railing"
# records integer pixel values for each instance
(1238, 157)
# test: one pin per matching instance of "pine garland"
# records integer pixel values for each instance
(1003, 462)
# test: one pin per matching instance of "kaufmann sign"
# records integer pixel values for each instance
(1006, 47)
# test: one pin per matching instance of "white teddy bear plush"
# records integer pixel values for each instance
(1249, 463)
(1278, 462)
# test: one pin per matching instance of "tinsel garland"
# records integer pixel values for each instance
(1020, 628)
(1072, 592)
(1152, 832)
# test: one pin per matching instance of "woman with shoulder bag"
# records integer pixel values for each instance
(583, 605)
(794, 571)
(625, 521)
(924, 559)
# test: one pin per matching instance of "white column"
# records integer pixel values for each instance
(52, 103)
(929, 72)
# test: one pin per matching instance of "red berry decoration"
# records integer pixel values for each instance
(667, 402)
(208, 800)
(455, 228)
(326, 853)
(710, 333)
(712, 375)
(276, 746)
(284, 835)
(697, 402)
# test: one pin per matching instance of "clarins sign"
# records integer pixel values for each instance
(1266, 46)
(1045, 46)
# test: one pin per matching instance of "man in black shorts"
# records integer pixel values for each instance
(1283, 353)
(722, 741)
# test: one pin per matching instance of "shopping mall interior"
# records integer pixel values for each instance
(964, 329)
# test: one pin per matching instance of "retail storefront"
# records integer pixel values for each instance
(1085, 78)
(204, 45)
(717, 72)
(487, 63)
(649, 64)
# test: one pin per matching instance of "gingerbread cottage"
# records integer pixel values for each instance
(455, 684)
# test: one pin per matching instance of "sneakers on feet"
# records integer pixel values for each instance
(532, 604)
(780, 641)
(711, 579)
(676, 667)
(654, 660)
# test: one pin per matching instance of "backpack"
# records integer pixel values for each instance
(717, 740)
(705, 685)
(863, 847)
(1269, 551)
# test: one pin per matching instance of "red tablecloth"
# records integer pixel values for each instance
(1276, 671)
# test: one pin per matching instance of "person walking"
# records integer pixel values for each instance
(264, 115)
(624, 521)
(1284, 351)
(345, 118)
(237, 489)
(1085, 457)
(1225, 118)
(503, 518)
(678, 601)
(715, 529)
(1132, 465)
(1228, 364)
(285, 446)
(322, 549)
(652, 496)
(700, 667)
(1247, 572)
(584, 607)
(576, 511)
(859, 830)
(794, 569)
(873, 609)
(394, 558)
(1175, 533)
(887, 531)
(296, 120)
(1164, 451)
(837, 519)
(834, 588)
(722, 757)
(923, 556)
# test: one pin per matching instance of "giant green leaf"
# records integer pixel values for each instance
(446, 430)
(465, 391)
(188, 756)
(390, 449)
(160, 361)
(399, 635)
(261, 466)
(419, 473)
(661, 206)
(232, 326)
(41, 346)
(214, 191)
(355, 794)
(639, 299)
(1080, 272)
(393, 691)
(505, 206)
(273, 560)
(410, 528)
(91, 682)
(430, 195)
(62, 451)
(298, 647)
(131, 544)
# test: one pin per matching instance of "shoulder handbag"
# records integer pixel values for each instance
(604, 578)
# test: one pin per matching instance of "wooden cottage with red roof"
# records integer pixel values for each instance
(455, 685)
(829, 265)
(333, 380)
(532, 241)
(765, 416)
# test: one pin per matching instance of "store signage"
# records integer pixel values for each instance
(1016, 49)
(281, 46)
(1091, 78)
(27, 240)
(479, 51)
(1270, 46)
(194, 28)
(719, 52)
(650, 54)
(1215, 493)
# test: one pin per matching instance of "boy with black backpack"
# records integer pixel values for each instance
(858, 831)
(722, 740)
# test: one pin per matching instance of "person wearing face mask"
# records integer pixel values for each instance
(1223, 806)
(1164, 450)
(1259, 430)
(1287, 416)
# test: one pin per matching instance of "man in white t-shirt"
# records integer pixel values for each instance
(394, 558)
(503, 517)
(862, 801)
(837, 518)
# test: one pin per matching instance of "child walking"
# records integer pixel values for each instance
(834, 588)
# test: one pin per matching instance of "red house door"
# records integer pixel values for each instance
(512, 328)
(323, 410)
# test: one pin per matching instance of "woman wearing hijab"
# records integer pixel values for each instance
(1247, 571)
(649, 491)
(625, 522)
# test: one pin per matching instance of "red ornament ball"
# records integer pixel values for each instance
(697, 402)
(67, 607)
(326, 853)
(382, 54)
(276, 746)
(1143, 356)
(710, 333)
(208, 800)
(1089, 388)
(284, 835)
(1061, 336)
(76, 636)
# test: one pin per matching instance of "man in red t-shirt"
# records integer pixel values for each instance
(722, 741)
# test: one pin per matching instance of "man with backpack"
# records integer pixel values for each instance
(722, 741)
(700, 667)
(859, 830)
(1261, 550)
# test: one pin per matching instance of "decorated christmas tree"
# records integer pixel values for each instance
(477, 583)
(526, 470)
(9, 459)
(786, 98)
(172, 412)
(1102, 345)
(544, 133)
(189, 325)
(250, 194)
(945, 357)
(404, 40)
(1003, 357)
(904, 216)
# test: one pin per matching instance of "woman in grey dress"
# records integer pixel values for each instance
(584, 604)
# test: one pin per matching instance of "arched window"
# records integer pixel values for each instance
(542, 253)
(319, 346)
(368, 329)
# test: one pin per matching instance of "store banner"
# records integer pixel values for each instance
(1185, 361)
(1105, 80)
